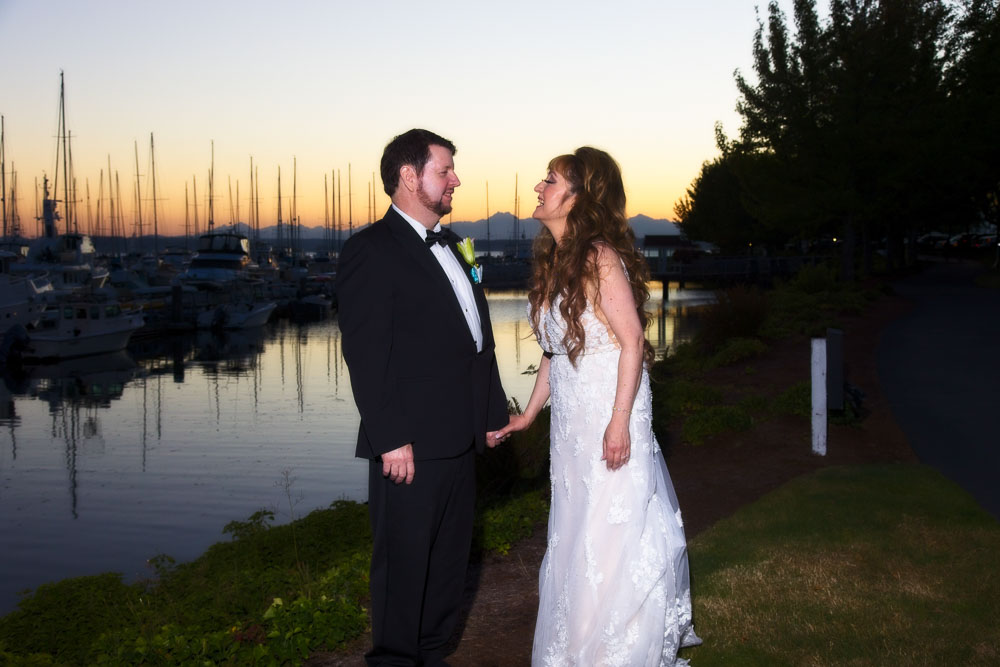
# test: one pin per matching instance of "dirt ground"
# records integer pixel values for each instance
(712, 481)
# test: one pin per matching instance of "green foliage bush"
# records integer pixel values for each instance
(738, 312)
(502, 524)
(218, 609)
(814, 279)
(62, 618)
(735, 350)
(713, 420)
(811, 303)
(796, 400)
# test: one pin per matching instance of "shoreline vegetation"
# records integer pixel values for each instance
(276, 594)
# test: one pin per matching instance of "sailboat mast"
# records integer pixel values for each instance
(194, 201)
(65, 158)
(253, 222)
(156, 228)
(281, 247)
(3, 177)
(256, 204)
(90, 219)
(350, 206)
(211, 191)
(517, 213)
(340, 212)
(121, 215)
(111, 209)
(293, 214)
(487, 218)
(138, 200)
(99, 222)
(71, 212)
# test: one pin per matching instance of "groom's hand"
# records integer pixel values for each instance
(397, 465)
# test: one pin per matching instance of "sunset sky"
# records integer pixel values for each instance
(327, 84)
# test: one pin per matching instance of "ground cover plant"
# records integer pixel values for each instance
(861, 565)
(273, 594)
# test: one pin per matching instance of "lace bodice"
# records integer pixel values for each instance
(552, 331)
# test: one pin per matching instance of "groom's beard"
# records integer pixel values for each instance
(439, 207)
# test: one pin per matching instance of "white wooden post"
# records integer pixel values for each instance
(819, 407)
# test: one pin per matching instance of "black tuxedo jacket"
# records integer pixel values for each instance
(415, 372)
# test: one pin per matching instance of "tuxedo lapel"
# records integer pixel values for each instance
(416, 248)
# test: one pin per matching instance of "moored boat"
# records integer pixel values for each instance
(236, 315)
(78, 328)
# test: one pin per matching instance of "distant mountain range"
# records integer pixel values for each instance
(501, 227)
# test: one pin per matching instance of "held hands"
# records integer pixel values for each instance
(397, 465)
(617, 442)
(516, 423)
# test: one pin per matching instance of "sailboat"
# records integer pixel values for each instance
(68, 260)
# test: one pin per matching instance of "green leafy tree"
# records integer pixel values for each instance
(848, 114)
(974, 84)
(713, 209)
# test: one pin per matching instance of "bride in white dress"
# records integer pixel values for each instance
(614, 586)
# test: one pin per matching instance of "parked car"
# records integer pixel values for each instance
(932, 241)
(963, 241)
(985, 241)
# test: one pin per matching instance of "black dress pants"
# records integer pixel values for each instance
(422, 533)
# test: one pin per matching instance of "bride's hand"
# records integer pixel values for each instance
(617, 444)
(516, 423)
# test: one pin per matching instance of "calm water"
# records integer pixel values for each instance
(106, 461)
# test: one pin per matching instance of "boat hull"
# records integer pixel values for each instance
(68, 342)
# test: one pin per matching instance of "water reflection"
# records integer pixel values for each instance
(109, 460)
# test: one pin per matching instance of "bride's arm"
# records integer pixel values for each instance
(615, 301)
(539, 394)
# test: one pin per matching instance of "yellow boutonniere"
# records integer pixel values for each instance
(467, 249)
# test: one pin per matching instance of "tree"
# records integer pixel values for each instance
(974, 84)
(712, 211)
(848, 118)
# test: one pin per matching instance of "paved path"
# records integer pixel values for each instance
(939, 367)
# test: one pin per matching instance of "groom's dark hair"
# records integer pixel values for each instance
(410, 148)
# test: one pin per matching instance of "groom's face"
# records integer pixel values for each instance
(438, 181)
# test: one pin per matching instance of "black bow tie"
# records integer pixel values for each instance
(435, 237)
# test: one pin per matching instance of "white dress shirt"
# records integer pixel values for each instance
(456, 275)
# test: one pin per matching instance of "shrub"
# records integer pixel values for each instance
(713, 420)
(738, 312)
(814, 279)
(502, 524)
(735, 350)
(796, 400)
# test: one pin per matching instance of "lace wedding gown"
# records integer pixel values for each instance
(614, 587)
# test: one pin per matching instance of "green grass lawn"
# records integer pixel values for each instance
(863, 565)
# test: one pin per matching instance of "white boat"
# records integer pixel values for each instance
(21, 301)
(236, 316)
(78, 328)
(222, 257)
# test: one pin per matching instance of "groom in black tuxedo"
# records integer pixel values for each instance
(419, 345)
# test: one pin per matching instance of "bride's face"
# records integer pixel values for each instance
(554, 203)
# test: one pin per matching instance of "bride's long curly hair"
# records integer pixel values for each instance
(569, 268)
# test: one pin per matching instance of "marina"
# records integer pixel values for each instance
(151, 392)
(108, 460)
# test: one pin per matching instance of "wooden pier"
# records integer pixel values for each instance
(713, 269)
